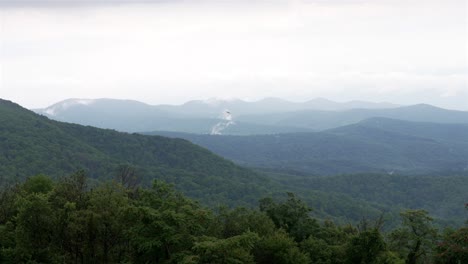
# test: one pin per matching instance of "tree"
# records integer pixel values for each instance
(165, 223)
(233, 250)
(107, 205)
(240, 220)
(291, 215)
(38, 184)
(366, 247)
(279, 248)
(453, 249)
(128, 177)
(34, 229)
(415, 238)
(8, 208)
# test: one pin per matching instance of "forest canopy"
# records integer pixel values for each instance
(72, 221)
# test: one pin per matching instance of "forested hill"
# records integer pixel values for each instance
(31, 144)
(374, 145)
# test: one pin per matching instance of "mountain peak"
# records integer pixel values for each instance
(64, 105)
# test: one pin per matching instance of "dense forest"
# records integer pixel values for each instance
(202, 132)
(71, 220)
(31, 144)
(374, 145)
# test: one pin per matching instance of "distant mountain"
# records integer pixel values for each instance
(375, 145)
(322, 120)
(328, 105)
(122, 115)
(213, 107)
(193, 116)
(31, 144)
(450, 133)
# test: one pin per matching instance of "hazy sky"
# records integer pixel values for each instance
(402, 51)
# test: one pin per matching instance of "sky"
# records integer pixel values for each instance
(169, 52)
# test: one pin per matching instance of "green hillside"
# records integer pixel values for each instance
(374, 145)
(64, 221)
(31, 144)
(442, 195)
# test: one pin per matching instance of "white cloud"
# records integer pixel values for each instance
(168, 53)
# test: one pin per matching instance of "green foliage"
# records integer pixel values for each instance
(34, 229)
(370, 195)
(165, 223)
(416, 238)
(32, 144)
(232, 250)
(240, 220)
(374, 145)
(8, 207)
(38, 184)
(112, 223)
(453, 249)
(291, 215)
(279, 248)
(366, 247)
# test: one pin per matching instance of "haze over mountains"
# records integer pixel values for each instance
(210, 108)
(318, 137)
(267, 116)
(31, 144)
(373, 145)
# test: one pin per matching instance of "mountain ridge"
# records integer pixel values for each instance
(32, 144)
(266, 116)
(394, 145)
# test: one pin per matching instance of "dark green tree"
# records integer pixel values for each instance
(415, 238)
(279, 248)
(233, 222)
(34, 229)
(291, 215)
(453, 249)
(366, 247)
(232, 250)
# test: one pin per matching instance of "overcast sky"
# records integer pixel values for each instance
(401, 51)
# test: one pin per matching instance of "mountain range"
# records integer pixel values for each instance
(193, 116)
(322, 120)
(31, 144)
(373, 145)
(319, 137)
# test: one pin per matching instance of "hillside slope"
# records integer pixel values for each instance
(31, 144)
(375, 145)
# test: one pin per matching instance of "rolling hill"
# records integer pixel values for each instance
(374, 145)
(31, 144)
(323, 120)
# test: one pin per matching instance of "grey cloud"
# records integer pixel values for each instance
(92, 3)
(76, 3)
